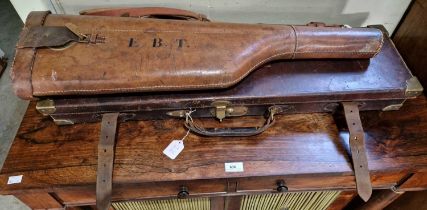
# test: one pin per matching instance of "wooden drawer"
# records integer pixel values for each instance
(153, 190)
(300, 183)
(314, 182)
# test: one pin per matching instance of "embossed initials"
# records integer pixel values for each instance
(130, 42)
(181, 42)
(158, 42)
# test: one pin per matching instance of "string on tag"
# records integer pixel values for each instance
(176, 146)
(188, 118)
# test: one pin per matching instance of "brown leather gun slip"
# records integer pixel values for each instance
(87, 54)
(123, 64)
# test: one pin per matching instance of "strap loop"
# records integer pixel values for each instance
(358, 151)
(104, 174)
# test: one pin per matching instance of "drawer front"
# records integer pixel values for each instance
(283, 183)
(313, 182)
(153, 190)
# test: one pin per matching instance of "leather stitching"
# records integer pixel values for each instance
(380, 46)
(296, 41)
(226, 84)
(168, 86)
(12, 71)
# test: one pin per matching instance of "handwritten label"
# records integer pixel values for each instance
(174, 148)
(234, 167)
(14, 179)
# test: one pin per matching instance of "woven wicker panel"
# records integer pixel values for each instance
(175, 204)
(277, 201)
(289, 201)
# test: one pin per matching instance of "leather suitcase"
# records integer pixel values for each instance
(78, 69)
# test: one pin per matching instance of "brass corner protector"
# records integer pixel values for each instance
(46, 107)
(413, 87)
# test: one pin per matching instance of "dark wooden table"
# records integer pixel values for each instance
(307, 151)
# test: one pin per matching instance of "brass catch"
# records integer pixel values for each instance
(226, 109)
(176, 113)
(46, 107)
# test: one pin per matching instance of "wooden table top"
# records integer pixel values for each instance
(49, 156)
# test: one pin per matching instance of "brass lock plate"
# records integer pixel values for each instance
(223, 109)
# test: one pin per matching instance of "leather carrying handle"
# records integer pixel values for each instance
(147, 12)
(233, 131)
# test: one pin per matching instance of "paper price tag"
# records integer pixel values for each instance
(14, 179)
(174, 148)
(234, 167)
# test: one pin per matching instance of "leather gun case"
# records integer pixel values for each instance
(61, 55)
(103, 61)
(106, 65)
(81, 67)
(145, 68)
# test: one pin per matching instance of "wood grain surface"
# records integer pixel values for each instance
(301, 145)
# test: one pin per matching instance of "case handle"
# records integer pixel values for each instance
(147, 12)
(233, 131)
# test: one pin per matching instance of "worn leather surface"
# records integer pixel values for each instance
(142, 12)
(126, 54)
(24, 58)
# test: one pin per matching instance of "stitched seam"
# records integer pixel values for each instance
(227, 84)
(172, 86)
(160, 31)
(33, 60)
(380, 46)
(41, 22)
(332, 51)
(296, 41)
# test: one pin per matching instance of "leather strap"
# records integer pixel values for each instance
(357, 148)
(148, 12)
(46, 36)
(321, 24)
(104, 174)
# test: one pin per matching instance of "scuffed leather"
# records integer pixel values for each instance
(146, 12)
(23, 61)
(124, 57)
